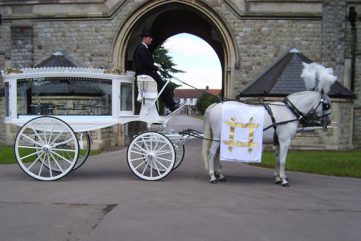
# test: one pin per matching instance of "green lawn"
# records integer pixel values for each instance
(7, 154)
(333, 163)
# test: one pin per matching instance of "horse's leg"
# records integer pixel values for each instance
(284, 145)
(218, 168)
(211, 155)
(276, 173)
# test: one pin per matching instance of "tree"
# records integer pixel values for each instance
(166, 69)
(166, 63)
(162, 57)
(205, 100)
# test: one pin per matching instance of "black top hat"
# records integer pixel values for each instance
(146, 33)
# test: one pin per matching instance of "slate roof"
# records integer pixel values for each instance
(283, 78)
(59, 59)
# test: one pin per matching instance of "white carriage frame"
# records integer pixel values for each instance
(148, 113)
(84, 123)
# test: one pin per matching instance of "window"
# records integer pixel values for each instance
(64, 96)
(126, 97)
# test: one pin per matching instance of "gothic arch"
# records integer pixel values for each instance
(170, 17)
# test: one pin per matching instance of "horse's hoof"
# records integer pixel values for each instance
(213, 181)
(223, 179)
(285, 185)
(278, 181)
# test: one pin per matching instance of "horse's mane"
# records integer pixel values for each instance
(302, 93)
(298, 97)
(317, 77)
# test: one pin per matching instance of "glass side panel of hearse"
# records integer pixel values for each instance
(64, 96)
(126, 97)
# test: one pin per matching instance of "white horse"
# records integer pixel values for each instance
(280, 121)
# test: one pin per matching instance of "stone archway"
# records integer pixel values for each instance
(168, 18)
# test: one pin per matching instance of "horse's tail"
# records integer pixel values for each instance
(207, 137)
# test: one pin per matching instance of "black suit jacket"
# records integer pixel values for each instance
(144, 64)
(143, 61)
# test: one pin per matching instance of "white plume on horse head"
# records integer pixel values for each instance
(314, 72)
(309, 76)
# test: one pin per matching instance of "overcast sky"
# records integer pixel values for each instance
(197, 58)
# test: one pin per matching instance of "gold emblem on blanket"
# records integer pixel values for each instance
(250, 125)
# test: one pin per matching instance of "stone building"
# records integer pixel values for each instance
(247, 36)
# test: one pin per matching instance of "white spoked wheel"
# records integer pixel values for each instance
(46, 148)
(84, 148)
(151, 156)
(180, 150)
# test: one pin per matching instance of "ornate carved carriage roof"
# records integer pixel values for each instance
(65, 72)
(283, 78)
(66, 80)
(60, 70)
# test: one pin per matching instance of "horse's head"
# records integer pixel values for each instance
(310, 107)
(319, 79)
(321, 113)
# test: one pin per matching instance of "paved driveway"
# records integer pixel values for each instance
(105, 201)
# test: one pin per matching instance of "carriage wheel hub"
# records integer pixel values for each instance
(150, 156)
(47, 149)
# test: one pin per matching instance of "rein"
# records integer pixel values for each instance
(274, 123)
(220, 98)
(299, 115)
(311, 116)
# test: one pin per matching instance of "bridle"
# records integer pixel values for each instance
(312, 117)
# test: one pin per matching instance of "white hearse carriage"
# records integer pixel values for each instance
(57, 107)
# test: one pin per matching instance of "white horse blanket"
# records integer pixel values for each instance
(241, 133)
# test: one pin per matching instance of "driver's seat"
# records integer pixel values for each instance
(147, 95)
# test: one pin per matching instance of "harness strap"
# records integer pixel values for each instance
(300, 116)
(274, 124)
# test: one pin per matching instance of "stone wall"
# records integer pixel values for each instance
(2, 126)
(260, 42)
(333, 35)
(92, 48)
(357, 90)
(21, 50)
(262, 31)
(357, 127)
